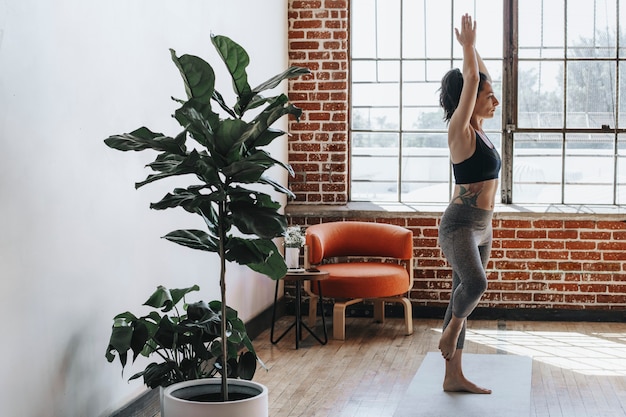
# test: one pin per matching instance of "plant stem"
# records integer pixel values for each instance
(222, 236)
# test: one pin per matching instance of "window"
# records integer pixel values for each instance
(557, 68)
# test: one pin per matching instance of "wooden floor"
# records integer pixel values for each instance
(579, 369)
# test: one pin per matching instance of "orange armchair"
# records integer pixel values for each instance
(332, 247)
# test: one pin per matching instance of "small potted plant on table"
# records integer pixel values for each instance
(294, 240)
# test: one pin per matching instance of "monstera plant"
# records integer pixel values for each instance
(221, 150)
(186, 339)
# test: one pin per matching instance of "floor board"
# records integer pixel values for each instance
(579, 369)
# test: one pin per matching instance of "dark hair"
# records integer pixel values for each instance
(450, 91)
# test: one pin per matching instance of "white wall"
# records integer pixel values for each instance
(78, 244)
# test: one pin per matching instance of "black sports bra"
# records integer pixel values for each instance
(483, 165)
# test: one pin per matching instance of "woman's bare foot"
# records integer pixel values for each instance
(455, 381)
(463, 385)
(449, 337)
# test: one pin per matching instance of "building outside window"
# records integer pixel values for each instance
(557, 68)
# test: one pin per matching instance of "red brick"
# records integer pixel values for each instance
(548, 224)
(580, 224)
(606, 246)
(612, 299)
(516, 224)
(307, 24)
(531, 234)
(580, 245)
(612, 225)
(595, 235)
(549, 244)
(563, 234)
(614, 256)
(318, 34)
(587, 256)
(306, 4)
(517, 244)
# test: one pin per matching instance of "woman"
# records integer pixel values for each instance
(465, 231)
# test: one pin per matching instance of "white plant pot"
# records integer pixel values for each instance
(292, 257)
(175, 402)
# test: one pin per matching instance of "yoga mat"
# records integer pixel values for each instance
(508, 376)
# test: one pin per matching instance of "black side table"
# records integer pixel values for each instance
(298, 277)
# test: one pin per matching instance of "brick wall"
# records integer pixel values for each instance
(539, 261)
(318, 143)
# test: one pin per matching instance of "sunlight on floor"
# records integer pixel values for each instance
(596, 354)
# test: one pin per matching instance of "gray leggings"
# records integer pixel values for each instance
(465, 235)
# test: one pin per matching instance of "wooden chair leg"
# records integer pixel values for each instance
(339, 317)
(408, 315)
(408, 310)
(339, 321)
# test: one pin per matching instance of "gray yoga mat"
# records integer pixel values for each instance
(508, 376)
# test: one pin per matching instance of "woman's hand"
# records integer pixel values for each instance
(467, 35)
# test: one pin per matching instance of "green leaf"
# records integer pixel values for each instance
(291, 72)
(220, 100)
(274, 111)
(169, 165)
(227, 138)
(249, 169)
(189, 199)
(198, 76)
(195, 239)
(274, 264)
(247, 365)
(143, 138)
(166, 299)
(119, 341)
(199, 120)
(265, 223)
(267, 137)
(277, 186)
(236, 60)
(158, 374)
(260, 255)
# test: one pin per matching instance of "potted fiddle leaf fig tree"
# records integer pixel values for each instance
(221, 148)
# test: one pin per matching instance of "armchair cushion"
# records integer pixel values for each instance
(363, 280)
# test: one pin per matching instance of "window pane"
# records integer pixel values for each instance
(541, 29)
(363, 38)
(425, 167)
(622, 21)
(622, 95)
(537, 168)
(363, 71)
(419, 118)
(375, 94)
(589, 167)
(414, 26)
(438, 32)
(591, 94)
(540, 102)
(620, 197)
(488, 19)
(376, 29)
(375, 118)
(591, 30)
(375, 166)
(421, 94)
(375, 106)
